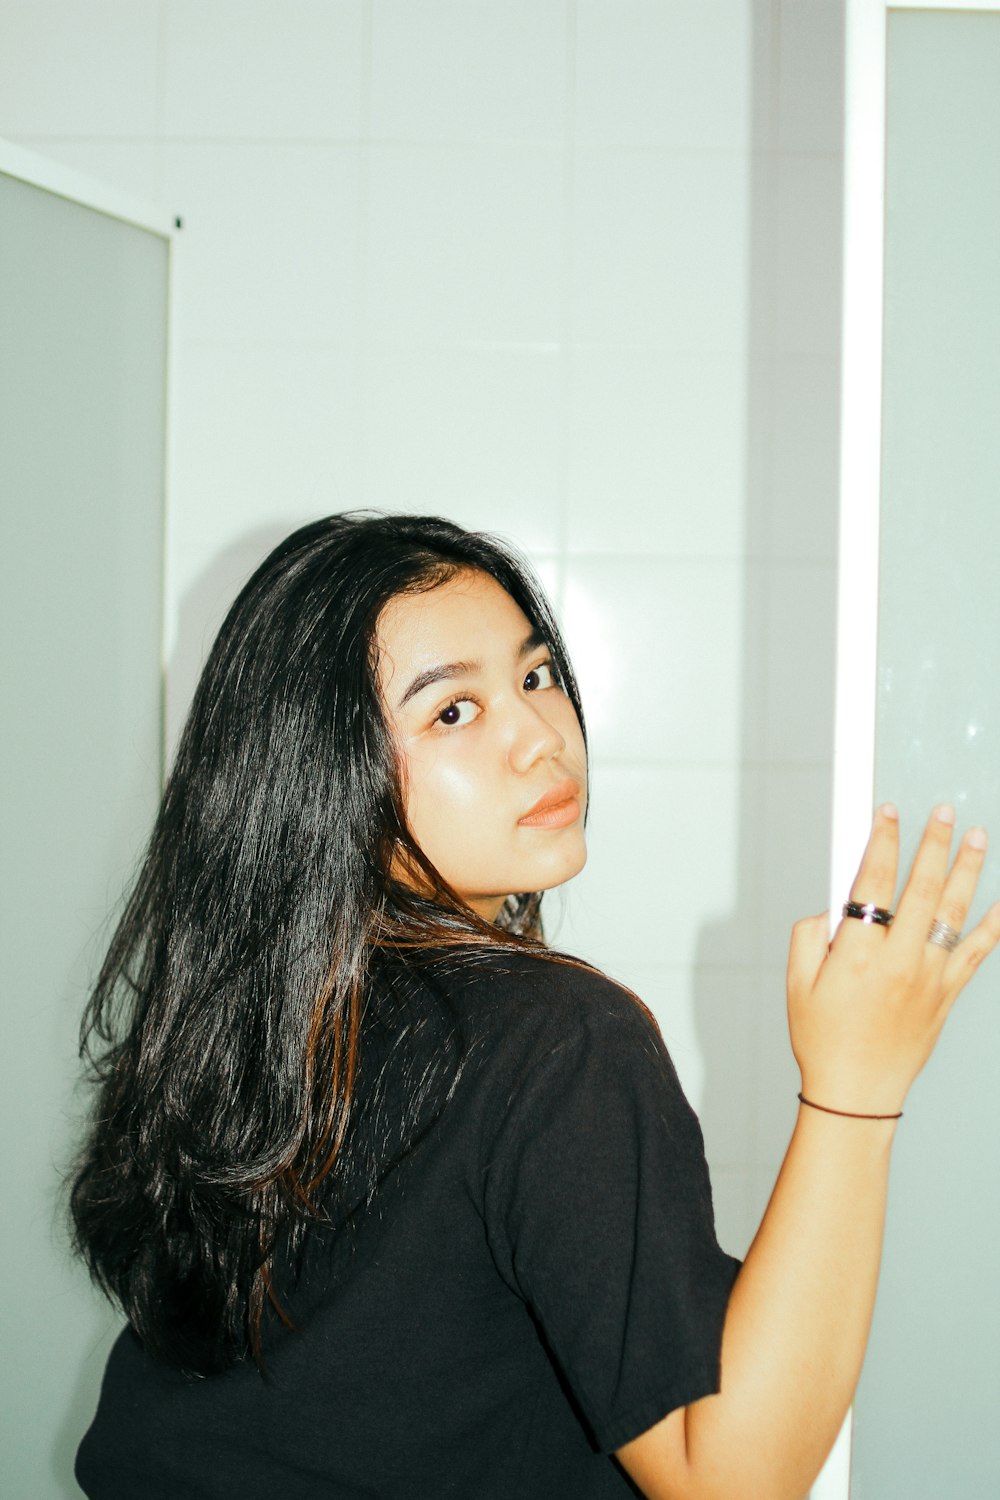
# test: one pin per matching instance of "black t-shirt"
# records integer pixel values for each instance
(535, 1282)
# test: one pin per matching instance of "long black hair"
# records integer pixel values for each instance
(224, 1026)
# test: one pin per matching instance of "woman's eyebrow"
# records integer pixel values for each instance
(447, 670)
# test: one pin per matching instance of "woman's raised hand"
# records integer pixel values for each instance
(865, 1011)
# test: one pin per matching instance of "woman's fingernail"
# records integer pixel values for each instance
(945, 813)
(976, 837)
(890, 810)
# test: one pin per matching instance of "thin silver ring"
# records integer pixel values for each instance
(867, 911)
(943, 935)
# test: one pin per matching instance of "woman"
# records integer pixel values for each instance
(398, 1201)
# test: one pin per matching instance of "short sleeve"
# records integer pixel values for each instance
(599, 1215)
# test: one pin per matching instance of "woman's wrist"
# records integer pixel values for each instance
(848, 1091)
(849, 1114)
(853, 1128)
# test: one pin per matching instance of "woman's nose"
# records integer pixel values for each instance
(533, 737)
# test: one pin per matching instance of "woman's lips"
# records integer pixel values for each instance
(557, 808)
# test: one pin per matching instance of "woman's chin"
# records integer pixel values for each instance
(570, 865)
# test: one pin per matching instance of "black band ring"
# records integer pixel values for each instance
(865, 911)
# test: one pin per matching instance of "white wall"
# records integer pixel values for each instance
(569, 271)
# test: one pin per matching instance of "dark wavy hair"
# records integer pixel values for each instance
(225, 1024)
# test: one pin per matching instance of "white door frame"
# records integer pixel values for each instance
(44, 172)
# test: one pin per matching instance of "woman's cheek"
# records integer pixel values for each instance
(444, 778)
(454, 783)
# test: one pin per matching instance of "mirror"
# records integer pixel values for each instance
(924, 1421)
(83, 309)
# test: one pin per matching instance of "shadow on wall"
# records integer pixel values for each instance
(201, 613)
(79, 1411)
(788, 636)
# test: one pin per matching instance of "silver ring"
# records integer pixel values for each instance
(866, 911)
(944, 936)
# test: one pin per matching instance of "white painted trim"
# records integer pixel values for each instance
(860, 440)
(943, 5)
(834, 1482)
(860, 483)
(41, 171)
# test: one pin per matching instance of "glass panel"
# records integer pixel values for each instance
(82, 363)
(925, 1417)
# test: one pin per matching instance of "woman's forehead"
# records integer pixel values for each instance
(471, 617)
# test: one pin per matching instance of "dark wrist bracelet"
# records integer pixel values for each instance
(847, 1114)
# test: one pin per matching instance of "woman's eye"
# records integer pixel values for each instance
(542, 676)
(461, 711)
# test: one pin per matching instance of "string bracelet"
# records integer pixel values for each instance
(846, 1113)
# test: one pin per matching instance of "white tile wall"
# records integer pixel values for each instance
(663, 868)
(666, 75)
(256, 424)
(660, 648)
(271, 240)
(470, 431)
(568, 269)
(656, 452)
(264, 72)
(461, 70)
(660, 249)
(464, 243)
(72, 70)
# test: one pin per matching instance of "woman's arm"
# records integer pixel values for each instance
(864, 1017)
(795, 1330)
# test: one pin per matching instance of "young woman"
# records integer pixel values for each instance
(398, 1201)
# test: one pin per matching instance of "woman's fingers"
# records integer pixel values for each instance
(932, 892)
(807, 951)
(876, 877)
(966, 958)
(923, 893)
(960, 887)
(865, 1016)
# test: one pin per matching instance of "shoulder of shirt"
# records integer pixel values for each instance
(545, 1000)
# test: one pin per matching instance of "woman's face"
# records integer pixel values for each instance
(485, 732)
